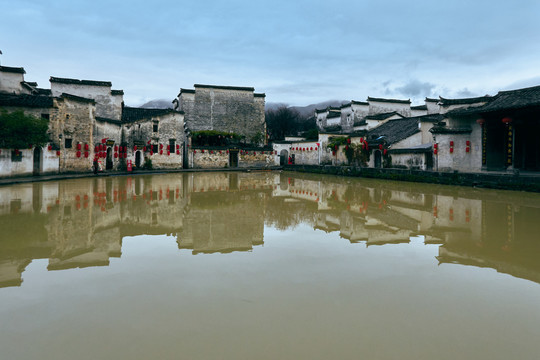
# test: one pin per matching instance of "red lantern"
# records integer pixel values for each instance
(168, 153)
(333, 153)
(194, 151)
(144, 148)
(86, 147)
(451, 143)
(115, 155)
(168, 147)
(468, 143)
(160, 152)
(348, 140)
(96, 149)
(161, 146)
(177, 152)
(135, 148)
(103, 141)
(151, 153)
(380, 146)
(506, 120)
(49, 147)
(311, 148)
(385, 151)
(79, 146)
(451, 150)
(57, 152)
(116, 148)
(177, 146)
(86, 154)
(467, 149)
(78, 154)
(125, 155)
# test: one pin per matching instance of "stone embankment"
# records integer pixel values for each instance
(500, 180)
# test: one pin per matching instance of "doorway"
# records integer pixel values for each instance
(283, 157)
(378, 159)
(138, 159)
(109, 163)
(233, 158)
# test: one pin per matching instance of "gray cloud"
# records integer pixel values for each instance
(415, 88)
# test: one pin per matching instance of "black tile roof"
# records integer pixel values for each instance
(419, 107)
(431, 100)
(446, 130)
(224, 87)
(259, 95)
(333, 114)
(383, 116)
(319, 111)
(79, 82)
(117, 92)
(41, 91)
(131, 114)
(345, 105)
(389, 100)
(112, 121)
(24, 100)
(78, 98)
(465, 101)
(30, 83)
(359, 102)
(513, 99)
(18, 70)
(395, 130)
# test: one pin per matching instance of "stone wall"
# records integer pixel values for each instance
(10, 81)
(228, 109)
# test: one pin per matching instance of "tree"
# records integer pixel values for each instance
(282, 122)
(20, 131)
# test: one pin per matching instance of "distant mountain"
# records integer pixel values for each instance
(309, 110)
(157, 104)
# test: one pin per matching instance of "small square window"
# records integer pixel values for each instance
(16, 155)
(154, 148)
(45, 116)
(68, 143)
(155, 127)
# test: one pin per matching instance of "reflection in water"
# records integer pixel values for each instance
(81, 223)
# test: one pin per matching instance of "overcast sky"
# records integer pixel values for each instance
(297, 52)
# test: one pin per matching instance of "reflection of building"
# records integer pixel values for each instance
(81, 223)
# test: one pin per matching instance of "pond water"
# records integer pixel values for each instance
(267, 265)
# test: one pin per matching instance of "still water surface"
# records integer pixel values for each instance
(267, 266)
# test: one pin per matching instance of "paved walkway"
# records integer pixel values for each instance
(54, 177)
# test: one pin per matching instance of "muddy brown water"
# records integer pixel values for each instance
(267, 265)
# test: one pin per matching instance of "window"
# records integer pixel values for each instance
(172, 145)
(68, 143)
(45, 116)
(154, 148)
(16, 155)
(155, 126)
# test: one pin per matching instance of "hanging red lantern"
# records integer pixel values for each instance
(78, 154)
(86, 154)
(385, 151)
(194, 151)
(86, 147)
(161, 146)
(467, 149)
(115, 155)
(348, 140)
(49, 147)
(57, 152)
(116, 148)
(177, 152)
(451, 150)
(144, 148)
(333, 152)
(177, 147)
(168, 153)
(79, 146)
(311, 148)
(135, 148)
(160, 152)
(380, 146)
(151, 153)
(103, 141)
(467, 143)
(168, 147)
(96, 148)
(125, 155)
(451, 143)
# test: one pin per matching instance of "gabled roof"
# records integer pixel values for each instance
(320, 111)
(18, 70)
(431, 100)
(359, 102)
(389, 100)
(419, 107)
(79, 82)
(465, 101)
(131, 114)
(117, 92)
(396, 130)
(24, 100)
(383, 116)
